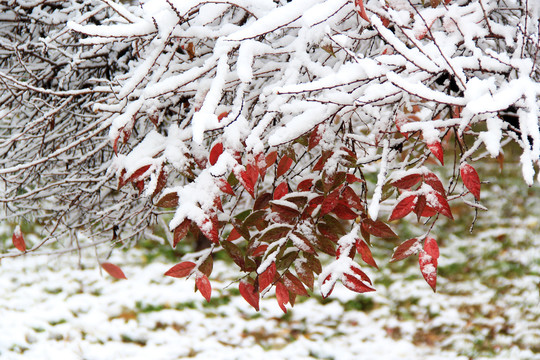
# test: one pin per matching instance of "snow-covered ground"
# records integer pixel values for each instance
(487, 305)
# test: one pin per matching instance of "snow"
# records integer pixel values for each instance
(51, 309)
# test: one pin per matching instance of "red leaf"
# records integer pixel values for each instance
(324, 291)
(330, 202)
(428, 212)
(315, 137)
(18, 239)
(403, 208)
(436, 149)
(115, 144)
(305, 185)
(378, 228)
(284, 165)
(233, 235)
(181, 231)
(209, 228)
(432, 180)
(405, 249)
(294, 284)
(356, 270)
(324, 158)
(281, 190)
(353, 283)
(361, 10)
(352, 199)
(138, 173)
(161, 182)
(440, 205)
(343, 212)
(204, 286)
(216, 151)
(248, 178)
(420, 206)
(365, 252)
(428, 262)
(181, 270)
(267, 276)
(113, 270)
(431, 247)
(271, 159)
(352, 179)
(225, 187)
(407, 181)
(249, 293)
(470, 179)
(259, 250)
(282, 296)
(222, 115)
(356, 281)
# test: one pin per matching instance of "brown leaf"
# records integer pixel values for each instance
(168, 200)
(113, 270)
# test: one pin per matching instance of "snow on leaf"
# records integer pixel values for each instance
(351, 198)
(225, 187)
(209, 228)
(18, 239)
(432, 180)
(427, 260)
(113, 270)
(406, 249)
(470, 178)
(438, 202)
